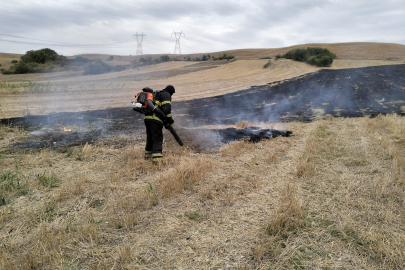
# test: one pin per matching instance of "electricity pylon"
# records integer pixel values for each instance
(139, 39)
(177, 35)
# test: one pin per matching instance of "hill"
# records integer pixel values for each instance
(345, 51)
(6, 58)
(191, 79)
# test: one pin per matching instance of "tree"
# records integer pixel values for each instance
(40, 56)
(164, 58)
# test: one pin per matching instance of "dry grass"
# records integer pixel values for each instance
(187, 174)
(331, 196)
(289, 214)
(237, 148)
(243, 124)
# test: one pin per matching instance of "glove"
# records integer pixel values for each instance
(170, 120)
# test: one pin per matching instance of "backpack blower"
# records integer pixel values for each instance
(144, 103)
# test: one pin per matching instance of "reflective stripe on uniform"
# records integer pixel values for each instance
(158, 103)
(157, 155)
(153, 117)
(148, 154)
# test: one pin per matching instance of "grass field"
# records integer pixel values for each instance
(331, 196)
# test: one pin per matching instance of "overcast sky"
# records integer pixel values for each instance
(73, 27)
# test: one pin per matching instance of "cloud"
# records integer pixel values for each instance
(209, 25)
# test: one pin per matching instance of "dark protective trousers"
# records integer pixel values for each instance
(154, 139)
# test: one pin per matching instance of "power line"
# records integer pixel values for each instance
(29, 38)
(139, 39)
(177, 35)
(155, 47)
(158, 47)
(56, 43)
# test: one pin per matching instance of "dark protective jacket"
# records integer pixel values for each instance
(163, 101)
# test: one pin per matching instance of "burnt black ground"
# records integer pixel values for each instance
(342, 93)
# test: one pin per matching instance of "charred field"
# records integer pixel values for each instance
(328, 196)
(354, 92)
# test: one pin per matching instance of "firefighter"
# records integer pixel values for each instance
(154, 125)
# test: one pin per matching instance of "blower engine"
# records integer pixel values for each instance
(141, 100)
(144, 103)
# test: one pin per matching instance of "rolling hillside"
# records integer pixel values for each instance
(70, 91)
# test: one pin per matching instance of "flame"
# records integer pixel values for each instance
(185, 150)
(66, 129)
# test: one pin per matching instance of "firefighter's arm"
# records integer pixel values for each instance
(166, 107)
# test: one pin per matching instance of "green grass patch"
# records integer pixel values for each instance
(49, 181)
(356, 162)
(193, 215)
(354, 236)
(11, 186)
(322, 131)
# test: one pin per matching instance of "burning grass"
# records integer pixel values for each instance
(331, 196)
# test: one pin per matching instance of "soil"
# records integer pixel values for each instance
(341, 93)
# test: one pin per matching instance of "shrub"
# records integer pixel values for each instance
(312, 55)
(21, 68)
(324, 61)
(164, 58)
(110, 58)
(297, 55)
(41, 56)
(96, 67)
(204, 58)
(224, 56)
(267, 64)
(148, 59)
(44, 60)
(6, 72)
